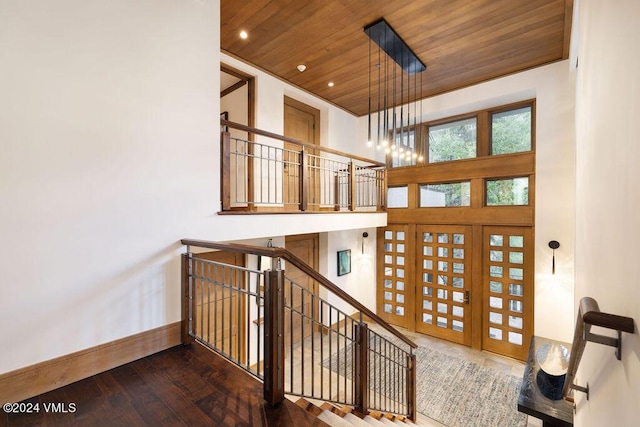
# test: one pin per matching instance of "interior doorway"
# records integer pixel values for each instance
(305, 247)
(301, 122)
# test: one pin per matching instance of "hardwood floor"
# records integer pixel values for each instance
(182, 386)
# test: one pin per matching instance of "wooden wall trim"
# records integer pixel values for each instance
(42, 377)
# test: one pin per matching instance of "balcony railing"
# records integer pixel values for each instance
(292, 339)
(263, 171)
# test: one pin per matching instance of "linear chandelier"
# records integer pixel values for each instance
(394, 132)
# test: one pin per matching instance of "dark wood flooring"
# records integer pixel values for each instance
(182, 386)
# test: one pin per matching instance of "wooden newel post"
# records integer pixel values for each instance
(187, 302)
(411, 387)
(352, 186)
(274, 337)
(361, 368)
(225, 170)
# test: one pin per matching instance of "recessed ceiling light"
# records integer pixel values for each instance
(301, 67)
(243, 34)
(330, 84)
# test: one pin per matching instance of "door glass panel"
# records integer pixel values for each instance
(443, 266)
(516, 241)
(427, 251)
(495, 287)
(400, 248)
(443, 280)
(495, 318)
(443, 294)
(515, 322)
(458, 239)
(458, 253)
(400, 286)
(457, 311)
(443, 238)
(496, 240)
(458, 296)
(515, 290)
(388, 247)
(427, 305)
(400, 235)
(427, 264)
(427, 291)
(388, 296)
(516, 257)
(495, 256)
(458, 282)
(427, 278)
(515, 338)
(515, 305)
(400, 298)
(442, 307)
(388, 259)
(388, 271)
(400, 273)
(427, 237)
(388, 308)
(457, 325)
(427, 318)
(515, 273)
(495, 271)
(399, 311)
(458, 268)
(443, 322)
(388, 283)
(495, 333)
(443, 252)
(388, 235)
(495, 302)
(400, 260)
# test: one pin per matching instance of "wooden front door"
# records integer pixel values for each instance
(301, 122)
(299, 326)
(395, 275)
(443, 282)
(219, 311)
(508, 290)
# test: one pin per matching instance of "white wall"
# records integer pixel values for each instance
(553, 88)
(608, 202)
(108, 136)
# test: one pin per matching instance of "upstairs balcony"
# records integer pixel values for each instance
(263, 172)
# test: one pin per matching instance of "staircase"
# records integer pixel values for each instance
(344, 416)
(306, 346)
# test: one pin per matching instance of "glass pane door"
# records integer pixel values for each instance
(394, 289)
(443, 281)
(508, 289)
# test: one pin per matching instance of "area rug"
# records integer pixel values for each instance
(460, 393)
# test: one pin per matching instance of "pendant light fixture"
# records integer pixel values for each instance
(391, 123)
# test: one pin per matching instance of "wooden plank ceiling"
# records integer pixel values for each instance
(462, 42)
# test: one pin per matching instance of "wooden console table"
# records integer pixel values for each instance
(537, 385)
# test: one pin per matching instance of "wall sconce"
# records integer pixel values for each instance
(364, 236)
(554, 244)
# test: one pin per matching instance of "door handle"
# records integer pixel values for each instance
(466, 297)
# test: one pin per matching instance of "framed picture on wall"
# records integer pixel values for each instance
(344, 262)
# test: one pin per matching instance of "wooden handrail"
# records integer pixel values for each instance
(301, 265)
(589, 314)
(261, 132)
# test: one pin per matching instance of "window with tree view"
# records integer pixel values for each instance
(511, 131)
(453, 141)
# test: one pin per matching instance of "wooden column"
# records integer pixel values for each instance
(225, 170)
(304, 180)
(274, 337)
(411, 387)
(361, 368)
(186, 301)
(352, 186)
